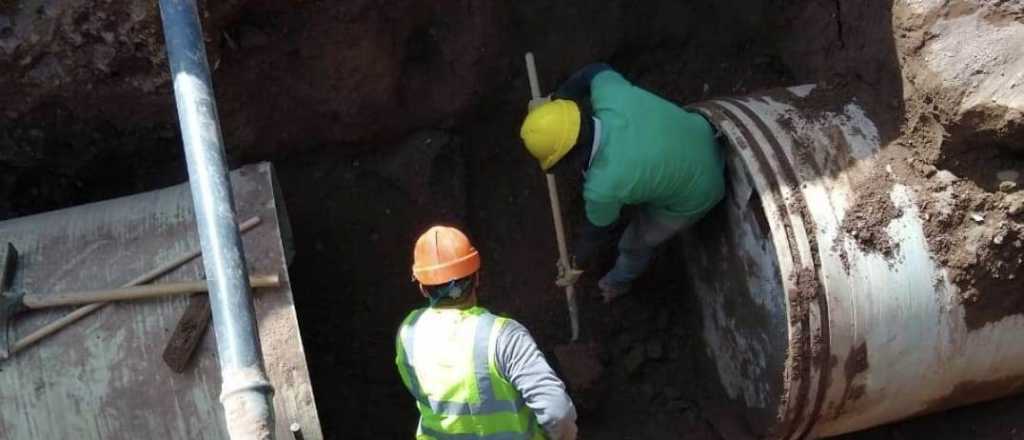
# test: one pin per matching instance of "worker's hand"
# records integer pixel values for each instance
(537, 102)
(567, 276)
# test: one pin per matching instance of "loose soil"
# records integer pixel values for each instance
(870, 215)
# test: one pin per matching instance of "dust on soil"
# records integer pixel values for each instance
(951, 156)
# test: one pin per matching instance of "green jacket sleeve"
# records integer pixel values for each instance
(602, 213)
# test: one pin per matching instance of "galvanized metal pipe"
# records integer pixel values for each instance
(246, 393)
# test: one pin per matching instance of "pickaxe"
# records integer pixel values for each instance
(12, 303)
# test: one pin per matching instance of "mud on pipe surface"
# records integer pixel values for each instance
(835, 315)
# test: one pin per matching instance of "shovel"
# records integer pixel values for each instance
(564, 266)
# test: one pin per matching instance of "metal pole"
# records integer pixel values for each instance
(246, 393)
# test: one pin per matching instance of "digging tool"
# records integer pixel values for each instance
(12, 304)
(9, 258)
(188, 333)
(565, 267)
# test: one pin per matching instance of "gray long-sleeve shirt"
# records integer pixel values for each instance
(522, 363)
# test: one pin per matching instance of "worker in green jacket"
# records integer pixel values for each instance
(633, 148)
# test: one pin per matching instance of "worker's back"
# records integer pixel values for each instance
(446, 357)
(651, 152)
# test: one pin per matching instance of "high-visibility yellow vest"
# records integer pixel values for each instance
(446, 360)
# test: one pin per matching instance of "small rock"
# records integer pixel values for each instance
(977, 217)
(1007, 186)
(634, 360)
(655, 350)
(1008, 175)
(1015, 204)
(945, 177)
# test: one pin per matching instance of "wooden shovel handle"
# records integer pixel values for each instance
(556, 213)
(134, 292)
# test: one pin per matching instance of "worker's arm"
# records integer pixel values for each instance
(598, 229)
(522, 363)
(590, 239)
(577, 86)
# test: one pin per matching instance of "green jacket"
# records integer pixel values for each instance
(652, 153)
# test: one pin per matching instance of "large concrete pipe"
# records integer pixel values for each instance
(811, 333)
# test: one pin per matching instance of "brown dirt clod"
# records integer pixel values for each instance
(870, 214)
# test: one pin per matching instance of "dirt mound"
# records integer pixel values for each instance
(961, 143)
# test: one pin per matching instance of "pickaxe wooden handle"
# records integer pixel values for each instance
(40, 301)
(84, 311)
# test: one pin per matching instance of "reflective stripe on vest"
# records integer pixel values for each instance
(465, 397)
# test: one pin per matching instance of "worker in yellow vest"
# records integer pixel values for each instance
(473, 374)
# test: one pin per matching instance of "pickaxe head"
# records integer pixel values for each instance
(10, 303)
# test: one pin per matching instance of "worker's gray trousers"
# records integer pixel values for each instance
(637, 245)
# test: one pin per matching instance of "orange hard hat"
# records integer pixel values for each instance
(443, 254)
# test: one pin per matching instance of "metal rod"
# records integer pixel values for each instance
(246, 393)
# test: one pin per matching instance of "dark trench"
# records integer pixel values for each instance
(357, 203)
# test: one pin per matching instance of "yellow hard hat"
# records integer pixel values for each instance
(550, 130)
